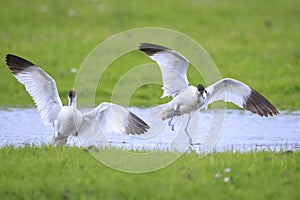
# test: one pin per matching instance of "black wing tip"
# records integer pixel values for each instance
(151, 49)
(135, 125)
(17, 64)
(258, 104)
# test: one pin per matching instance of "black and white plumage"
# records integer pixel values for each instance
(188, 98)
(68, 120)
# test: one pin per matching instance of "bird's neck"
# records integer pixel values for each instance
(72, 104)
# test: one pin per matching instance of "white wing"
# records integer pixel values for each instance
(115, 118)
(39, 85)
(173, 67)
(231, 90)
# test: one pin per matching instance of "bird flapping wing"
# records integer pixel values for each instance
(115, 118)
(173, 67)
(234, 91)
(39, 85)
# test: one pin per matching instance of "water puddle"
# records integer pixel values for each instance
(241, 130)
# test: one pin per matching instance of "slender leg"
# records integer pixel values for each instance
(169, 124)
(186, 131)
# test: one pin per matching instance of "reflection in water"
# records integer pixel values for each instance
(241, 131)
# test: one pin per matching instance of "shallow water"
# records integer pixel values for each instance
(241, 130)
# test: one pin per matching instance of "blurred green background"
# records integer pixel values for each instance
(256, 42)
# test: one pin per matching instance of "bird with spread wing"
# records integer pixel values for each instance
(188, 98)
(68, 120)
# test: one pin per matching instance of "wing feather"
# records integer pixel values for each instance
(40, 86)
(173, 67)
(115, 118)
(234, 91)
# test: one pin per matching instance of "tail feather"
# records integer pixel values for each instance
(163, 111)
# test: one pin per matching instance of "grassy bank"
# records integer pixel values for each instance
(254, 41)
(72, 173)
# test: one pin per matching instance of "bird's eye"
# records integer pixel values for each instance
(205, 91)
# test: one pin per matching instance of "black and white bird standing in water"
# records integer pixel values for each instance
(68, 120)
(188, 98)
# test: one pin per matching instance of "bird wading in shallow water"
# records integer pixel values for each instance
(188, 98)
(68, 120)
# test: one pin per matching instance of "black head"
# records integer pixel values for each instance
(72, 94)
(201, 88)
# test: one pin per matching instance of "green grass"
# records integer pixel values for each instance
(72, 173)
(256, 42)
